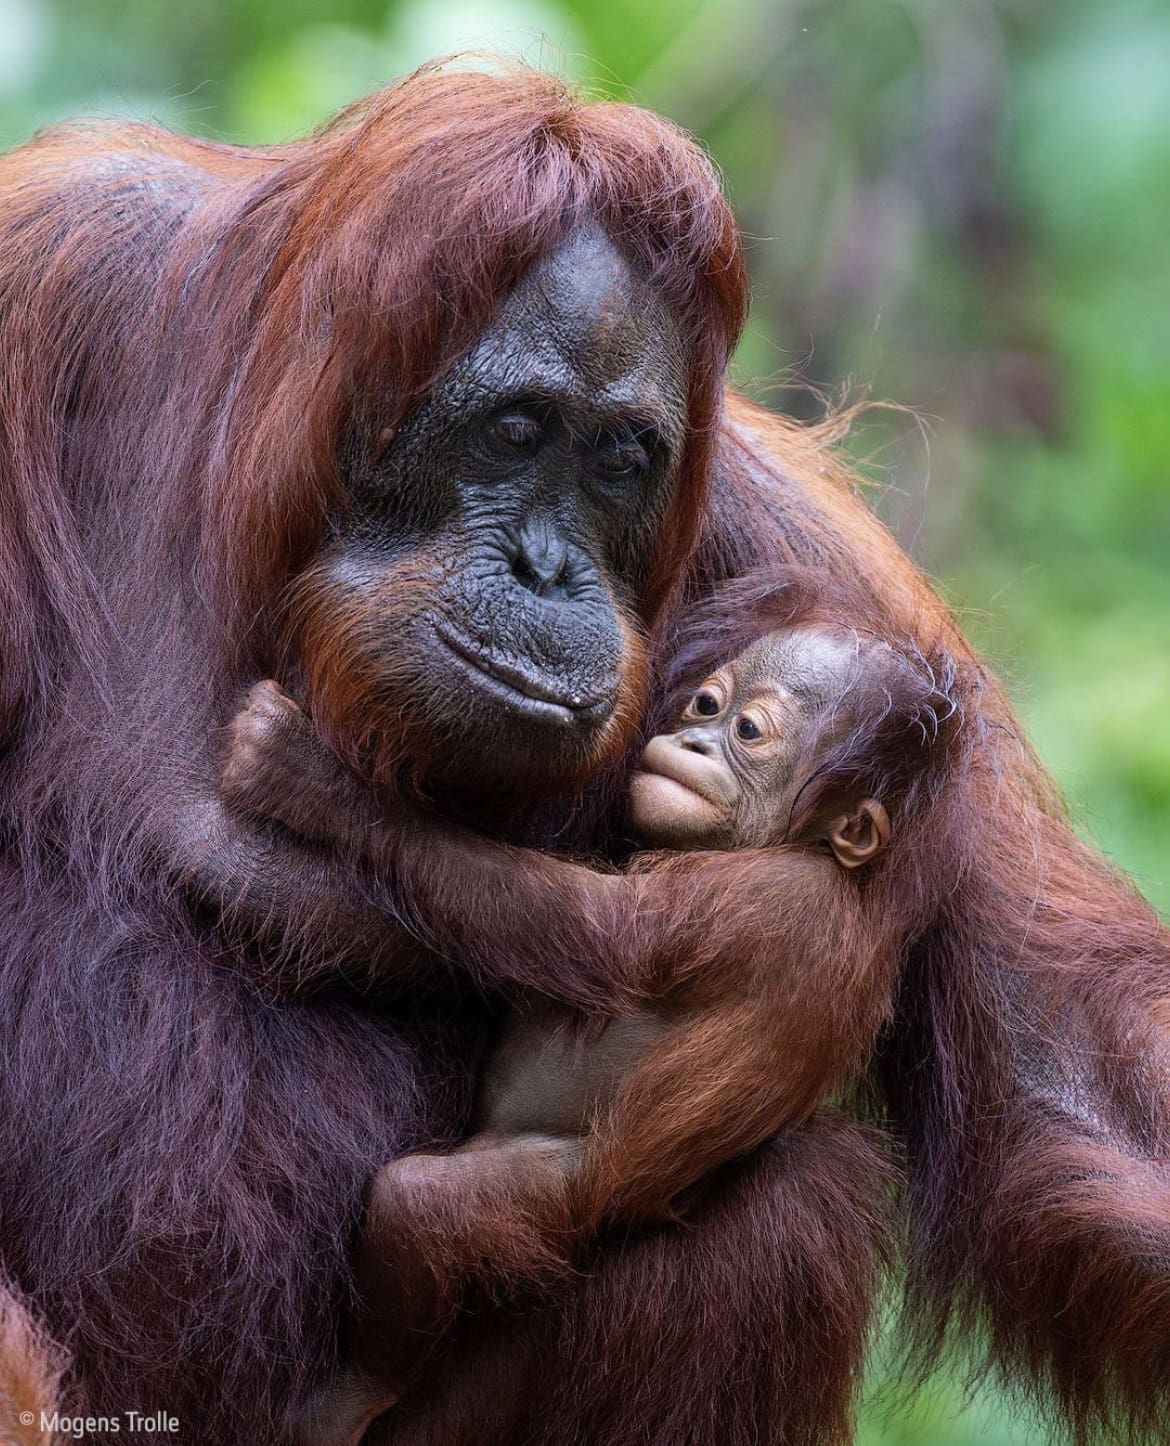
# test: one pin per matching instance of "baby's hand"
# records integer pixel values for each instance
(264, 743)
(276, 765)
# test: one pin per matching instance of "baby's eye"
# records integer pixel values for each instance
(747, 730)
(706, 704)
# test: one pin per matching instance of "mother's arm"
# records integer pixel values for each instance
(1030, 1068)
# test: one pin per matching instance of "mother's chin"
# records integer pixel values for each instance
(468, 706)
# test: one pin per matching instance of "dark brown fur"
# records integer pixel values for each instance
(178, 1146)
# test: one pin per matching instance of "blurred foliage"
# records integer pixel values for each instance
(961, 204)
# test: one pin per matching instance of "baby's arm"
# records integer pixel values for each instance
(320, 919)
(511, 917)
(681, 926)
(773, 1008)
(760, 1013)
(771, 1014)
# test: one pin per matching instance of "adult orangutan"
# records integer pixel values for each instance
(422, 417)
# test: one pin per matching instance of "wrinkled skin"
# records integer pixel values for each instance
(519, 504)
(475, 616)
(729, 773)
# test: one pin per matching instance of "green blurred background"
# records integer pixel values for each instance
(963, 205)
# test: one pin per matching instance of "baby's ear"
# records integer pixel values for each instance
(859, 836)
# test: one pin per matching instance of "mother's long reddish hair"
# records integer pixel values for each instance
(396, 232)
(291, 304)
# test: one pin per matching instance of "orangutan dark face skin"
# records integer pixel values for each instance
(519, 506)
(728, 775)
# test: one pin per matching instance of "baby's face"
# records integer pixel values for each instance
(725, 777)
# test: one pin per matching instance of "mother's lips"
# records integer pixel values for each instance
(555, 704)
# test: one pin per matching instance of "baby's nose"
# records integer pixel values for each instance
(697, 740)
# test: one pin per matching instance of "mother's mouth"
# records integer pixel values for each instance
(520, 690)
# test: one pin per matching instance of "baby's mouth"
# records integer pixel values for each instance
(687, 770)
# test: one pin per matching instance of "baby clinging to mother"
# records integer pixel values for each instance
(818, 755)
(425, 419)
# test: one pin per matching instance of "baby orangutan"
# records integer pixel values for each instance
(810, 756)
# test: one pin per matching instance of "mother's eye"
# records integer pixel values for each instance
(619, 458)
(515, 431)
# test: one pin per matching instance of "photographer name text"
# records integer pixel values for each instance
(130, 1423)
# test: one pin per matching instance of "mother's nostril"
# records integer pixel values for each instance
(535, 576)
(541, 559)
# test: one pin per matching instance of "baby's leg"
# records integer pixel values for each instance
(713, 1087)
(495, 1213)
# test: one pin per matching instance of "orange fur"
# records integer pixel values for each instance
(31, 1368)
